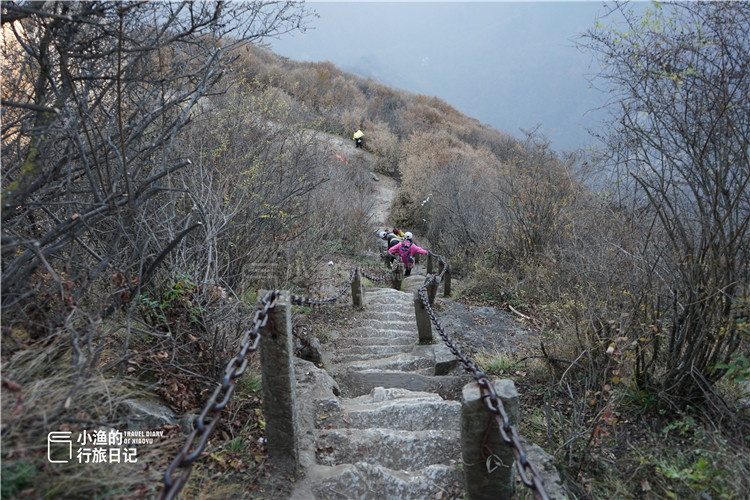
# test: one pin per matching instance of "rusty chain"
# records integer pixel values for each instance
(508, 432)
(250, 342)
(305, 301)
(442, 261)
(382, 277)
(187, 455)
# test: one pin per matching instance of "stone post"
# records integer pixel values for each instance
(277, 372)
(357, 295)
(483, 480)
(429, 262)
(432, 290)
(447, 282)
(398, 276)
(424, 326)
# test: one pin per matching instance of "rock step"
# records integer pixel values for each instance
(372, 482)
(386, 294)
(393, 449)
(384, 291)
(407, 323)
(416, 359)
(389, 313)
(362, 352)
(356, 360)
(392, 297)
(381, 332)
(398, 409)
(346, 342)
(389, 318)
(357, 382)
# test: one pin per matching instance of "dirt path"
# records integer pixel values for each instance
(386, 189)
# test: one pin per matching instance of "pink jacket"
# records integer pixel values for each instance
(413, 250)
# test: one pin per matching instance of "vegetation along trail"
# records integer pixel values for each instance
(160, 168)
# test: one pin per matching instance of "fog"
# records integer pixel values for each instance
(511, 65)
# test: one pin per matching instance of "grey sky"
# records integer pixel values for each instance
(509, 64)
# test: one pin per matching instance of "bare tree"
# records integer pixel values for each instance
(94, 96)
(680, 134)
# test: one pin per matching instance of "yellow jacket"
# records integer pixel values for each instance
(358, 134)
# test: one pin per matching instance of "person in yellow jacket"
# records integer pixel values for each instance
(358, 138)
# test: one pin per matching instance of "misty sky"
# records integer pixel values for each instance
(509, 64)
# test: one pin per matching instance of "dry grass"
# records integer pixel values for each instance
(52, 397)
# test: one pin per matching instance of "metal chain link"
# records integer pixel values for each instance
(305, 301)
(490, 397)
(249, 343)
(442, 260)
(383, 277)
(218, 400)
(302, 301)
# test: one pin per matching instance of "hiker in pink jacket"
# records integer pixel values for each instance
(406, 250)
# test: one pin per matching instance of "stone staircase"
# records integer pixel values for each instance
(383, 420)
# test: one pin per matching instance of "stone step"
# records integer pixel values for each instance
(392, 449)
(405, 322)
(416, 359)
(383, 291)
(365, 352)
(394, 408)
(401, 303)
(389, 318)
(384, 312)
(372, 482)
(386, 295)
(368, 340)
(353, 382)
(392, 297)
(365, 332)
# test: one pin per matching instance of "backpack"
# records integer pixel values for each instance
(405, 253)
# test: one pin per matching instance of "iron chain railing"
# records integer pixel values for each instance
(173, 482)
(490, 397)
(305, 301)
(374, 279)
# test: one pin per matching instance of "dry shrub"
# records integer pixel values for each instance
(422, 117)
(385, 146)
(345, 95)
(386, 106)
(421, 155)
(449, 193)
(351, 120)
(441, 107)
(336, 220)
